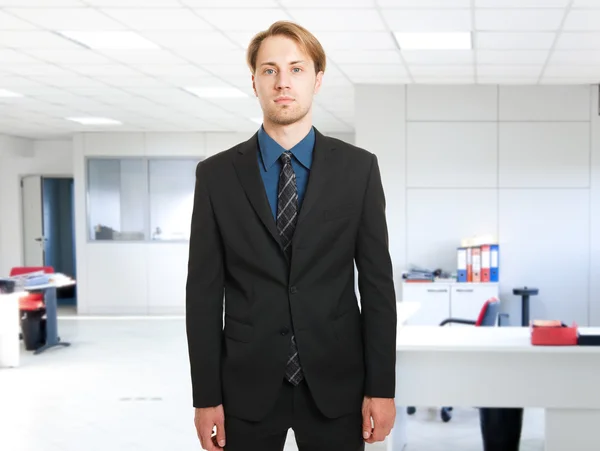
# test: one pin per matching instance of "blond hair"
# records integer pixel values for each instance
(304, 38)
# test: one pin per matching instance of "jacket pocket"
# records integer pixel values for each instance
(238, 331)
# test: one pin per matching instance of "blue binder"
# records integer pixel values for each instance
(461, 268)
(495, 263)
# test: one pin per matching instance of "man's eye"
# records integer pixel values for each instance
(297, 69)
(269, 71)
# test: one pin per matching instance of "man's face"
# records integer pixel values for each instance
(285, 80)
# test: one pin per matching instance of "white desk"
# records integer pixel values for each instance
(498, 367)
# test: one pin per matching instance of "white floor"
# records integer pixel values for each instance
(124, 385)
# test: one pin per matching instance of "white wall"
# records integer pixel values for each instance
(136, 278)
(522, 163)
(20, 157)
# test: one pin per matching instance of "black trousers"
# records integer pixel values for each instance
(295, 409)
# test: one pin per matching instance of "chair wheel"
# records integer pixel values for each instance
(445, 414)
(411, 410)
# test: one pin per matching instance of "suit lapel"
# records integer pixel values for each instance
(323, 172)
(246, 165)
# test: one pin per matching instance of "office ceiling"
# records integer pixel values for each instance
(202, 43)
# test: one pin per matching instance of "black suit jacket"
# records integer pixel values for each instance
(237, 264)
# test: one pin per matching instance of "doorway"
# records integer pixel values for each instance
(49, 228)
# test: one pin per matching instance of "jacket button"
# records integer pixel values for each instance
(284, 331)
(293, 290)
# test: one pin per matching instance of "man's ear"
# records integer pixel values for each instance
(318, 82)
(254, 86)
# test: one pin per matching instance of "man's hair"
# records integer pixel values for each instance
(304, 38)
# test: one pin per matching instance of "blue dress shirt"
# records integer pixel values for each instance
(270, 165)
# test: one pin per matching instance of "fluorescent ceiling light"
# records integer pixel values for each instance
(216, 93)
(94, 120)
(258, 120)
(111, 40)
(434, 41)
(7, 93)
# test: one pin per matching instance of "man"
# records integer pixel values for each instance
(277, 224)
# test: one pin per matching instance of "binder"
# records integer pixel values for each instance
(494, 263)
(476, 251)
(485, 263)
(469, 264)
(461, 269)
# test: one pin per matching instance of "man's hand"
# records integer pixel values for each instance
(205, 419)
(383, 412)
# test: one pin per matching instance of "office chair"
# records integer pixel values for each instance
(488, 317)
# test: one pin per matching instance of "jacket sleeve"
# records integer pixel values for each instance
(377, 294)
(204, 298)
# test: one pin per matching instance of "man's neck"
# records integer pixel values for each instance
(287, 136)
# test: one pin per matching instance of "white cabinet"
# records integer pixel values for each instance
(439, 301)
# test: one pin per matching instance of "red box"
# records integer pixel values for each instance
(552, 333)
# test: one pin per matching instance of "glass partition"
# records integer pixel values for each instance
(140, 199)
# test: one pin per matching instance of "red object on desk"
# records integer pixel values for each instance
(552, 333)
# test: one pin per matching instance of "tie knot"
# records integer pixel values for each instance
(286, 157)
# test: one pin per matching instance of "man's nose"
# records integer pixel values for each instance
(283, 80)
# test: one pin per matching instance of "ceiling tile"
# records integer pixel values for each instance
(242, 19)
(573, 71)
(104, 69)
(229, 70)
(339, 19)
(327, 3)
(125, 82)
(586, 4)
(143, 56)
(442, 20)
(8, 56)
(71, 19)
(9, 22)
(134, 3)
(575, 57)
(73, 81)
(370, 80)
(168, 70)
(510, 41)
(425, 3)
(38, 70)
(373, 70)
(509, 71)
(584, 41)
(241, 38)
(507, 80)
(583, 20)
(40, 3)
(35, 40)
(66, 56)
(521, 3)
(356, 40)
(445, 57)
(441, 71)
(512, 56)
(11, 81)
(206, 56)
(231, 3)
(159, 19)
(445, 80)
(189, 39)
(518, 19)
(366, 56)
(569, 81)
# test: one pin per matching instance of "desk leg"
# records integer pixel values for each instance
(572, 429)
(396, 441)
(52, 338)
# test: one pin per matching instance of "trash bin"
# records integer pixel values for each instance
(33, 329)
(501, 428)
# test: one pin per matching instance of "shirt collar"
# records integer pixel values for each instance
(271, 150)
